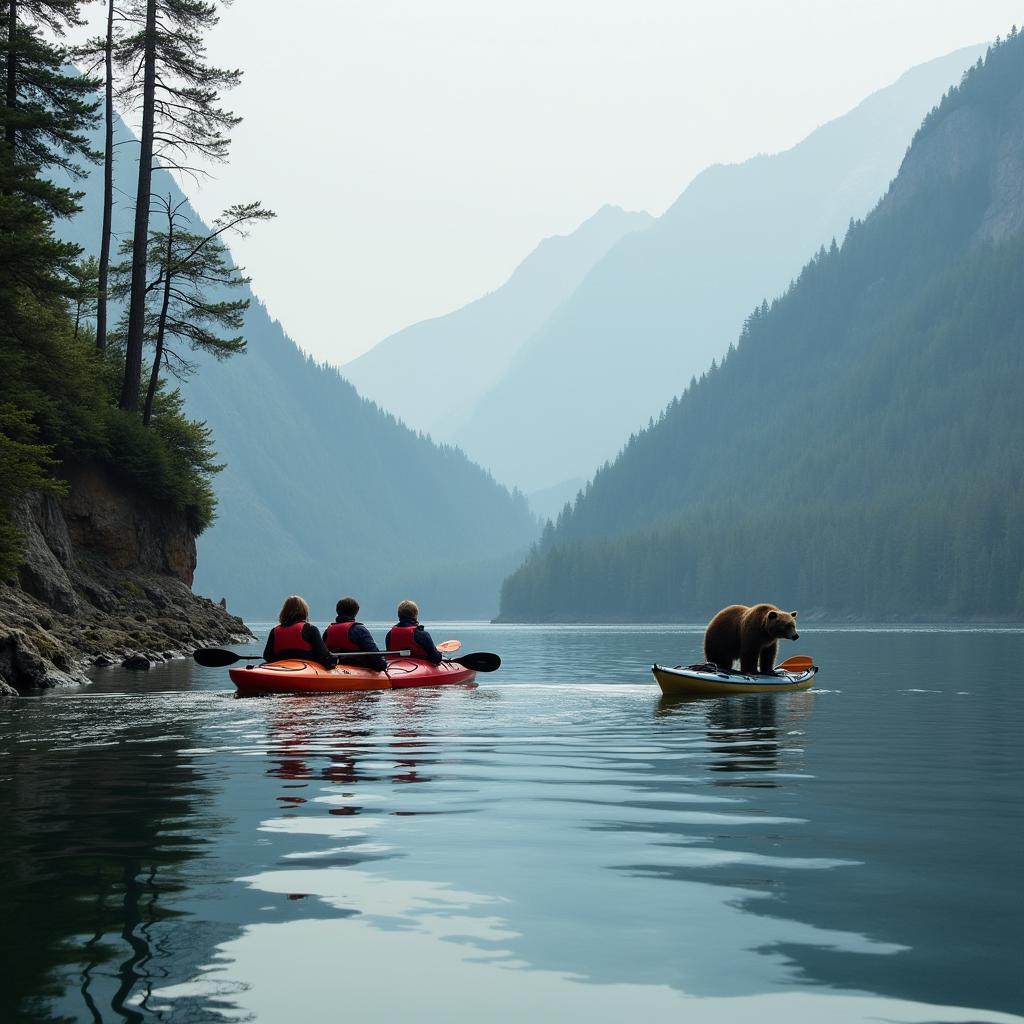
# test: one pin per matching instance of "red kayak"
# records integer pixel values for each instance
(300, 676)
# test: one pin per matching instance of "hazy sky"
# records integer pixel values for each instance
(416, 150)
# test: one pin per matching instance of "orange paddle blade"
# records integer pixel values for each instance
(447, 646)
(798, 663)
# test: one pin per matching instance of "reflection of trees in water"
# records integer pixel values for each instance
(93, 844)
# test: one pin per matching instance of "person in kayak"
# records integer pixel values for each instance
(294, 637)
(408, 634)
(345, 634)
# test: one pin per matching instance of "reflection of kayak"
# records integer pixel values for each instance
(300, 676)
(704, 679)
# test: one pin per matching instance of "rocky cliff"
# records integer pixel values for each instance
(105, 579)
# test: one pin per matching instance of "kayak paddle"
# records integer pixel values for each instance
(216, 657)
(798, 663)
(482, 661)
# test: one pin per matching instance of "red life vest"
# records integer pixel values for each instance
(400, 638)
(289, 638)
(337, 639)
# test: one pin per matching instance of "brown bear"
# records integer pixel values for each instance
(750, 634)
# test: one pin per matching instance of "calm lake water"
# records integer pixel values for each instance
(556, 844)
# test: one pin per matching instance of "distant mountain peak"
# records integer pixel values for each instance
(886, 379)
(471, 347)
(666, 300)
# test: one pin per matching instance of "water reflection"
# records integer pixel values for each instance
(551, 849)
(102, 826)
(428, 951)
(553, 916)
(751, 734)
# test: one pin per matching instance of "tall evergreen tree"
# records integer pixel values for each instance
(45, 111)
(100, 52)
(44, 116)
(84, 276)
(185, 297)
(169, 81)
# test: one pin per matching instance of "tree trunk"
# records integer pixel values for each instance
(108, 186)
(154, 376)
(140, 242)
(12, 79)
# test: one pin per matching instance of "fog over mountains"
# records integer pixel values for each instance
(324, 493)
(469, 350)
(667, 299)
(861, 450)
(539, 381)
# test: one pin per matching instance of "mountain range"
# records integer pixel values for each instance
(324, 493)
(471, 348)
(655, 309)
(860, 450)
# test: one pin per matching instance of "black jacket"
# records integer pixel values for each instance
(360, 636)
(312, 637)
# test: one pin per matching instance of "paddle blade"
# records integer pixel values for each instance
(798, 663)
(482, 661)
(214, 657)
(448, 646)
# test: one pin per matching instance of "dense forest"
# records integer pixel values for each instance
(860, 451)
(70, 389)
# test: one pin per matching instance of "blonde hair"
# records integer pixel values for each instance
(293, 606)
(408, 610)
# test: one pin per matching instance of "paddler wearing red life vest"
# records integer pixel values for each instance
(408, 634)
(294, 637)
(345, 634)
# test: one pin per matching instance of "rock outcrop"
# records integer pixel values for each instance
(105, 579)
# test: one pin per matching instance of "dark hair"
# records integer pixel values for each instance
(348, 606)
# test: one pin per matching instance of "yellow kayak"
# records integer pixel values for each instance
(701, 680)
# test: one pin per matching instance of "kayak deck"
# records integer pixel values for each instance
(701, 680)
(301, 676)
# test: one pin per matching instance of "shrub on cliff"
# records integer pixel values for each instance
(171, 461)
(58, 402)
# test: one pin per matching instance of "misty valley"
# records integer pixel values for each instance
(651, 624)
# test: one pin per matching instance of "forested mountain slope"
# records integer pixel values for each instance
(861, 451)
(325, 493)
(468, 350)
(664, 301)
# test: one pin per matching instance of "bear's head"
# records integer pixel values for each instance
(782, 625)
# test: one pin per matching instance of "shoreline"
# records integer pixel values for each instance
(105, 579)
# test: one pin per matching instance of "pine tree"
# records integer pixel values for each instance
(177, 93)
(43, 117)
(191, 271)
(45, 111)
(100, 52)
(84, 278)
